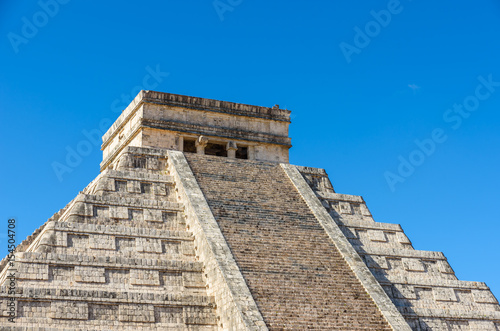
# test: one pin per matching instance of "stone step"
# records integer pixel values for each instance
(430, 282)
(340, 197)
(410, 312)
(109, 210)
(377, 238)
(104, 296)
(360, 224)
(89, 309)
(73, 238)
(412, 295)
(106, 261)
(138, 158)
(28, 326)
(110, 200)
(400, 253)
(135, 175)
(119, 230)
(158, 188)
(385, 268)
(109, 278)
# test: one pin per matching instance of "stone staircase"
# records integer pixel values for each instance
(421, 284)
(295, 273)
(118, 257)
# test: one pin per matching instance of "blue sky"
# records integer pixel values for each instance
(357, 113)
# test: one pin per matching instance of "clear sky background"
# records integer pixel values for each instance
(357, 116)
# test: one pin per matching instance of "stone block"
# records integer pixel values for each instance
(402, 291)
(90, 274)
(170, 217)
(144, 277)
(349, 233)
(148, 245)
(199, 316)
(133, 186)
(413, 264)
(61, 239)
(483, 296)
(101, 241)
(153, 215)
(69, 310)
(152, 163)
(146, 188)
(172, 315)
(136, 313)
(101, 212)
(376, 235)
(136, 215)
(106, 184)
(187, 248)
(118, 212)
(364, 210)
(377, 262)
(193, 279)
(105, 312)
(33, 271)
(444, 294)
(54, 238)
(429, 323)
(121, 185)
(159, 189)
(345, 208)
(402, 238)
(82, 209)
(444, 267)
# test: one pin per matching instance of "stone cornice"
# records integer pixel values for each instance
(232, 108)
(217, 131)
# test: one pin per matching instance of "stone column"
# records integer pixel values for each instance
(201, 143)
(179, 140)
(251, 152)
(231, 148)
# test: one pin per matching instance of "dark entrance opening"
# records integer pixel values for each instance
(242, 153)
(215, 149)
(189, 146)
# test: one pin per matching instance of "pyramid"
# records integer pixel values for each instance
(198, 222)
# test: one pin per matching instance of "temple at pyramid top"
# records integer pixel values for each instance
(205, 126)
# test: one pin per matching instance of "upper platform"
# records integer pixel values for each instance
(198, 125)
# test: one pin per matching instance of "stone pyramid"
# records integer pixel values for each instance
(198, 222)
